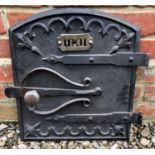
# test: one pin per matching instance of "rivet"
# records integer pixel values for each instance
(90, 118)
(86, 104)
(91, 42)
(59, 42)
(52, 59)
(87, 81)
(131, 59)
(55, 118)
(98, 91)
(125, 119)
(91, 59)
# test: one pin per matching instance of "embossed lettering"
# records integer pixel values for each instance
(75, 42)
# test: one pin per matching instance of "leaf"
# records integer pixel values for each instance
(19, 36)
(21, 45)
(25, 42)
(36, 50)
(126, 44)
(129, 36)
(114, 49)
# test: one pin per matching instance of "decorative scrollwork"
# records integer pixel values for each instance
(122, 37)
(85, 102)
(103, 132)
(88, 132)
(58, 19)
(30, 130)
(59, 132)
(72, 132)
(72, 19)
(124, 42)
(112, 130)
(125, 39)
(98, 22)
(113, 27)
(37, 25)
(86, 81)
(24, 42)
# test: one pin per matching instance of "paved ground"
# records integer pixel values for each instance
(143, 137)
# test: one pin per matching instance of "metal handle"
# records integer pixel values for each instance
(19, 92)
(32, 94)
(32, 97)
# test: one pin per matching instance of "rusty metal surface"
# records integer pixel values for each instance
(75, 92)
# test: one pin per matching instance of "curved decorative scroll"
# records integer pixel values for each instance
(86, 80)
(59, 132)
(74, 133)
(115, 27)
(76, 100)
(58, 19)
(97, 21)
(104, 133)
(37, 25)
(86, 132)
(70, 21)
(24, 42)
(44, 133)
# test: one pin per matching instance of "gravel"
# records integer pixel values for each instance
(142, 137)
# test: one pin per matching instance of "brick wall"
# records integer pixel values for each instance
(144, 17)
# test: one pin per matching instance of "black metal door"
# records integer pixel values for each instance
(74, 75)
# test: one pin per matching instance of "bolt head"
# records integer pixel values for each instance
(131, 59)
(91, 59)
(91, 42)
(31, 97)
(59, 42)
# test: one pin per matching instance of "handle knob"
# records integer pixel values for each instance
(32, 97)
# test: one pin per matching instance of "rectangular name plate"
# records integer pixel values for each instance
(75, 42)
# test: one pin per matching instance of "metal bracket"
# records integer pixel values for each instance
(113, 118)
(20, 91)
(118, 59)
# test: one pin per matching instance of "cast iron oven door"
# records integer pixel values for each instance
(74, 75)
